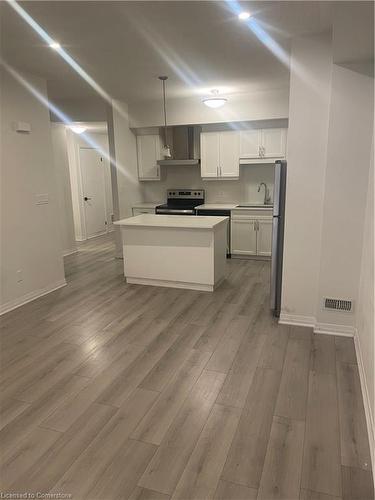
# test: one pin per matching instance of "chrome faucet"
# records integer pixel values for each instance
(267, 197)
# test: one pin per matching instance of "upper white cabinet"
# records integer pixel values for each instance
(261, 144)
(220, 154)
(148, 153)
(250, 143)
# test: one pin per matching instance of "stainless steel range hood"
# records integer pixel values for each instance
(185, 143)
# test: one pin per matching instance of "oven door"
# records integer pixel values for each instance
(174, 211)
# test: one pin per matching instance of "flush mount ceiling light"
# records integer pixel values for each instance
(243, 16)
(77, 129)
(215, 101)
(55, 45)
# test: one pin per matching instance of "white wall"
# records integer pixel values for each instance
(365, 307)
(64, 193)
(30, 233)
(125, 153)
(236, 191)
(346, 180)
(265, 105)
(306, 152)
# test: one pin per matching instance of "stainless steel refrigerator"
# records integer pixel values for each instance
(278, 222)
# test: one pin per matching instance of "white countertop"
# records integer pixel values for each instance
(147, 204)
(173, 221)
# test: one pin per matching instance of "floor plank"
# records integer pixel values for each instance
(355, 451)
(281, 476)
(247, 453)
(357, 484)
(292, 397)
(202, 472)
(321, 462)
(233, 491)
(83, 473)
(157, 421)
(166, 467)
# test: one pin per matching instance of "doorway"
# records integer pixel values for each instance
(93, 192)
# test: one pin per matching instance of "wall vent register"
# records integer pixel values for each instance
(343, 305)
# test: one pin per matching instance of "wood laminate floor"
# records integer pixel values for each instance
(111, 390)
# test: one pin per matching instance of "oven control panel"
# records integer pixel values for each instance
(185, 193)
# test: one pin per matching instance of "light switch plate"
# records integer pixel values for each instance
(23, 127)
(42, 199)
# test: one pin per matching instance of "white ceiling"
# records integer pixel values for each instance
(124, 46)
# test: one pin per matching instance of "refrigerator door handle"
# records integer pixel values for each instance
(274, 261)
(276, 190)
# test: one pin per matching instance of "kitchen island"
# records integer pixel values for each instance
(174, 250)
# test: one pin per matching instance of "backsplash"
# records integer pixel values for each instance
(245, 189)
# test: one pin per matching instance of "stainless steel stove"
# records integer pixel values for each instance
(181, 202)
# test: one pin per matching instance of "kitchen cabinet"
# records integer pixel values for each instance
(243, 237)
(220, 154)
(264, 237)
(251, 233)
(148, 153)
(261, 144)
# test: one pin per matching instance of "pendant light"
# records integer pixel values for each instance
(166, 149)
(214, 101)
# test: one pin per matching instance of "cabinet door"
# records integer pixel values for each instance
(274, 142)
(250, 141)
(210, 154)
(229, 154)
(264, 237)
(243, 237)
(148, 150)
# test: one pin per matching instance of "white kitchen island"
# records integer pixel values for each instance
(174, 251)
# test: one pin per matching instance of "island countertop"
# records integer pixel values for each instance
(173, 221)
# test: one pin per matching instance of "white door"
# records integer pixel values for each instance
(210, 154)
(274, 142)
(148, 149)
(250, 141)
(93, 190)
(229, 154)
(264, 237)
(244, 237)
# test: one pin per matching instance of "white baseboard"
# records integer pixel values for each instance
(28, 297)
(321, 328)
(366, 402)
(297, 320)
(69, 252)
(332, 329)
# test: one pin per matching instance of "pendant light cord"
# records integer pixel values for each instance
(163, 79)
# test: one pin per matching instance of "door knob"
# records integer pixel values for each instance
(86, 198)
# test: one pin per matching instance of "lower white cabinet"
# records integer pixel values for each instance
(244, 237)
(251, 235)
(264, 237)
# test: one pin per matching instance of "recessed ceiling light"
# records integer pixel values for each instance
(77, 129)
(55, 45)
(215, 101)
(243, 16)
